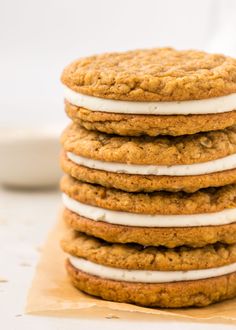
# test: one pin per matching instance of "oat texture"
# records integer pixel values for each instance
(134, 256)
(165, 150)
(170, 237)
(160, 74)
(146, 183)
(167, 295)
(203, 201)
(135, 125)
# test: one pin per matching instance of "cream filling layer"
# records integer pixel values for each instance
(148, 276)
(146, 220)
(206, 106)
(217, 165)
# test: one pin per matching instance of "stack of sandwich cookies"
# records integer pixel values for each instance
(150, 191)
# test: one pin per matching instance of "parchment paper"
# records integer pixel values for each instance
(52, 294)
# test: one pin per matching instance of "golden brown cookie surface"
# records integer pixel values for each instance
(161, 74)
(169, 237)
(203, 201)
(134, 257)
(167, 295)
(146, 183)
(164, 150)
(136, 125)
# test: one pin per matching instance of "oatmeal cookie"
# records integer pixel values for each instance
(134, 256)
(170, 237)
(146, 183)
(164, 150)
(159, 74)
(152, 125)
(165, 203)
(167, 295)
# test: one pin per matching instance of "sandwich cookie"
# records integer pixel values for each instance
(152, 92)
(151, 276)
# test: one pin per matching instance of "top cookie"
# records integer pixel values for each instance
(160, 74)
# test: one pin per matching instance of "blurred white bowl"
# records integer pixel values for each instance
(29, 157)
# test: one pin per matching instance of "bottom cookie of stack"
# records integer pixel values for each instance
(151, 276)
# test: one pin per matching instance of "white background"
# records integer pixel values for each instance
(37, 39)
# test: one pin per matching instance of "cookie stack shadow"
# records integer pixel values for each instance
(150, 177)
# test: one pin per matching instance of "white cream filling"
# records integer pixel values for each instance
(146, 220)
(217, 165)
(206, 106)
(148, 276)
